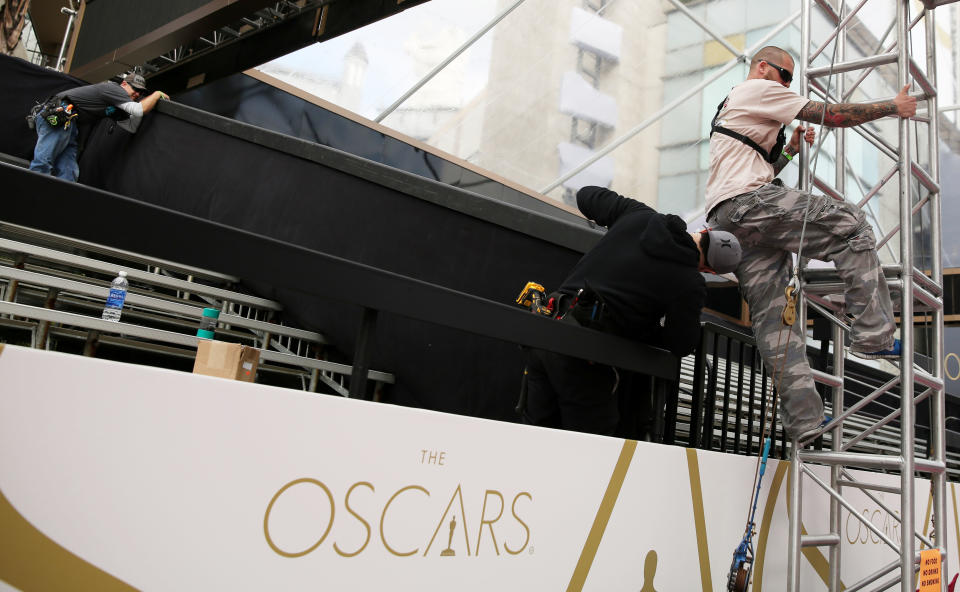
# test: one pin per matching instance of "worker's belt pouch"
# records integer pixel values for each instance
(587, 308)
(561, 303)
(55, 113)
(590, 314)
(34, 111)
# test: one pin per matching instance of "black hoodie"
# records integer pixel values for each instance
(645, 268)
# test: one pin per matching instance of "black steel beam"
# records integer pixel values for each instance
(361, 354)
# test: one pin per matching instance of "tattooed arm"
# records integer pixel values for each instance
(845, 114)
(851, 114)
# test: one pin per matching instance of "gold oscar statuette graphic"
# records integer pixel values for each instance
(449, 552)
(649, 571)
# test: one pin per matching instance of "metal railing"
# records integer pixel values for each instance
(722, 403)
(726, 406)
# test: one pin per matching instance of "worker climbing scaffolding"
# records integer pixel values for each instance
(774, 222)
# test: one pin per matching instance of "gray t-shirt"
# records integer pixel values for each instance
(105, 99)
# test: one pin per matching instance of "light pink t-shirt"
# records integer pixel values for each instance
(755, 108)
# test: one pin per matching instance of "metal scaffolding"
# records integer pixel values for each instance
(919, 281)
(857, 60)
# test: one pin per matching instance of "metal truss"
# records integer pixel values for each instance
(250, 25)
(920, 289)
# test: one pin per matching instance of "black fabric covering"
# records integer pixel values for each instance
(179, 165)
(22, 85)
(244, 98)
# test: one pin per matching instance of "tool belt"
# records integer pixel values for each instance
(586, 308)
(55, 111)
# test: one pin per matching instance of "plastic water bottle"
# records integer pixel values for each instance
(118, 293)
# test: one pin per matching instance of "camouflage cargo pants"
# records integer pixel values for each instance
(768, 223)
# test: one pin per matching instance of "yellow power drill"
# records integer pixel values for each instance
(534, 297)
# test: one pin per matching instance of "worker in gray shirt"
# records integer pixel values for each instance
(58, 120)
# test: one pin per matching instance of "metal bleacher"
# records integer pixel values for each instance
(52, 290)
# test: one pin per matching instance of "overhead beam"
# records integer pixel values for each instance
(106, 47)
(178, 53)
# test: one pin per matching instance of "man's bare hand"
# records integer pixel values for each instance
(906, 105)
(808, 133)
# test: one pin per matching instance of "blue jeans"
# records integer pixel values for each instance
(56, 150)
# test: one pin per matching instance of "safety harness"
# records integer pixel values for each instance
(770, 156)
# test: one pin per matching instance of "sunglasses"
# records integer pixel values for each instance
(785, 74)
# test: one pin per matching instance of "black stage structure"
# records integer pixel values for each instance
(452, 350)
(409, 272)
(278, 211)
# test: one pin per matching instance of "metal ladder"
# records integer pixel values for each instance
(919, 290)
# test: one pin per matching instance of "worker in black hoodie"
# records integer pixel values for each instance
(641, 281)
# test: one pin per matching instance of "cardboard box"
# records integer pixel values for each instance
(226, 360)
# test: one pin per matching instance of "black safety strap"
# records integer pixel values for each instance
(770, 157)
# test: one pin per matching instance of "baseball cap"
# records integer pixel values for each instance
(721, 250)
(136, 81)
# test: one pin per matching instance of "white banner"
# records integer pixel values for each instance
(118, 476)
